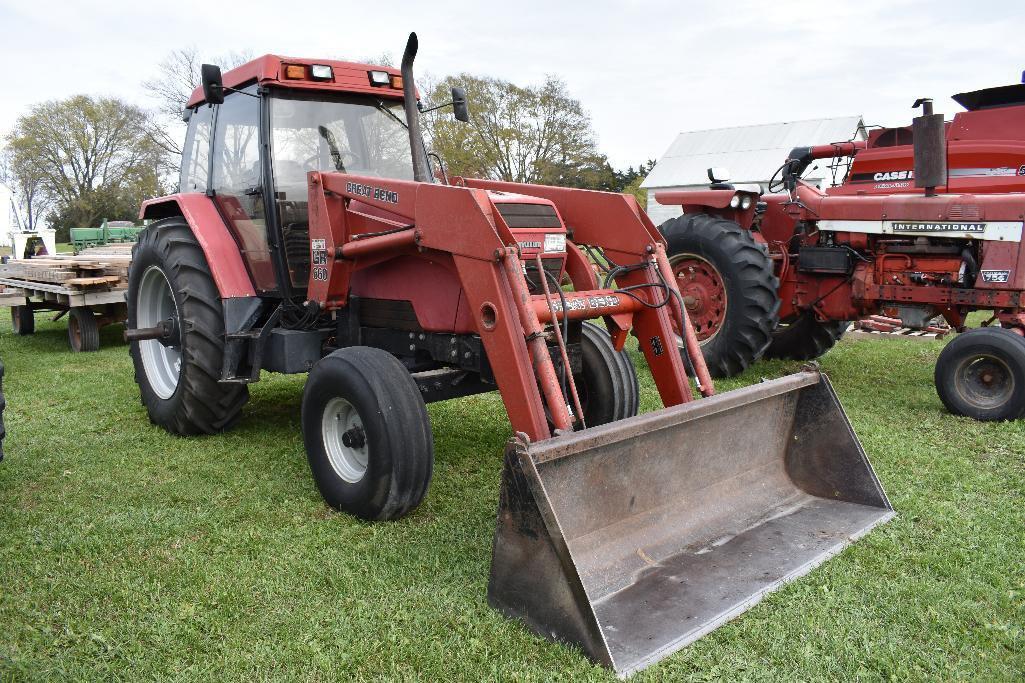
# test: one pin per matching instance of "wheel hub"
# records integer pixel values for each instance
(704, 294)
(354, 438)
(985, 381)
(155, 304)
(344, 439)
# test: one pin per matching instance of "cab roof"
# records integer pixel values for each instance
(992, 98)
(347, 77)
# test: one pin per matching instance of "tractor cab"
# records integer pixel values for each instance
(310, 116)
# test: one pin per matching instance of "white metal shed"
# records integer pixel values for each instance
(751, 153)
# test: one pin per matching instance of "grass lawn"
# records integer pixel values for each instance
(130, 554)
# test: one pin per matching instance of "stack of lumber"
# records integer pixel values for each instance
(98, 268)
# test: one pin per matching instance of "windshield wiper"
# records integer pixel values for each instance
(380, 105)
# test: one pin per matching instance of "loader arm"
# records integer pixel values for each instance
(462, 223)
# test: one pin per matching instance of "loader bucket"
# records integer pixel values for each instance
(638, 537)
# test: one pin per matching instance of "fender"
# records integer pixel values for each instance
(221, 251)
(712, 202)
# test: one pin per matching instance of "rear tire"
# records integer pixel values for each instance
(367, 434)
(23, 320)
(607, 383)
(805, 338)
(728, 276)
(981, 374)
(179, 387)
(83, 331)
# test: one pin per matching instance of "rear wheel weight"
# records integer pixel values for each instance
(23, 320)
(727, 281)
(180, 387)
(981, 374)
(367, 434)
(83, 330)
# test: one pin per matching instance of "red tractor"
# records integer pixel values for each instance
(927, 222)
(312, 234)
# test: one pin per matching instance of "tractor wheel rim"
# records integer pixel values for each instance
(345, 441)
(155, 304)
(984, 381)
(704, 293)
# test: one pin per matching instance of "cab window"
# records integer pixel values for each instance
(237, 178)
(196, 152)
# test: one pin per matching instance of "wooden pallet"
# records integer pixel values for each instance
(895, 333)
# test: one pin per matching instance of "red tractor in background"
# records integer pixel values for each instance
(311, 234)
(927, 222)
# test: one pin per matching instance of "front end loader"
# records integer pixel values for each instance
(312, 235)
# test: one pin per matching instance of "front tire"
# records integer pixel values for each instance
(367, 434)
(727, 282)
(607, 383)
(981, 374)
(805, 338)
(170, 278)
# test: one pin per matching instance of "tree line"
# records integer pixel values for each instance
(74, 162)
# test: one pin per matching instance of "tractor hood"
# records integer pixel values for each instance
(534, 222)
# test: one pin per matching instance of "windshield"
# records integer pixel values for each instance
(352, 134)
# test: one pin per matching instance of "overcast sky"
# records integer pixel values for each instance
(644, 70)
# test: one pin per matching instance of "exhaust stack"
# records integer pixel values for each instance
(930, 148)
(421, 167)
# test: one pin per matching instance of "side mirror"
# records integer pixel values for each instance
(459, 108)
(718, 174)
(213, 87)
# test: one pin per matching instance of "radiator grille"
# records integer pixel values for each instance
(968, 212)
(529, 215)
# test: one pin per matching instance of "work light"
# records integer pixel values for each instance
(321, 72)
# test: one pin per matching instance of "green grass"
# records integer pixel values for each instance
(126, 553)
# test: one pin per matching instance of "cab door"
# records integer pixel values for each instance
(237, 183)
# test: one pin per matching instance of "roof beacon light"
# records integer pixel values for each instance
(321, 72)
(295, 72)
(379, 79)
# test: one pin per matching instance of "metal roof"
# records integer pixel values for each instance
(751, 153)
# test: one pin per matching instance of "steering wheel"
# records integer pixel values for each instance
(345, 158)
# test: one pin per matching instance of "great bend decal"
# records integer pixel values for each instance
(378, 193)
